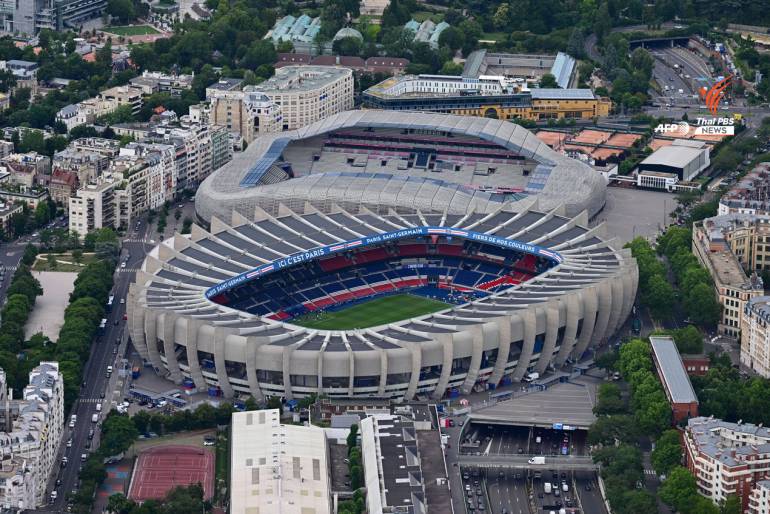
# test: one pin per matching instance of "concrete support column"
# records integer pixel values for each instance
(605, 305)
(220, 337)
(169, 333)
(590, 306)
(252, 346)
(383, 371)
(193, 326)
(529, 320)
(414, 380)
(504, 349)
(287, 351)
(570, 328)
(475, 365)
(151, 332)
(551, 333)
(446, 364)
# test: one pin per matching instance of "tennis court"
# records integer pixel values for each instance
(158, 470)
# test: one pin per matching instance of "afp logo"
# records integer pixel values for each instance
(714, 94)
(682, 128)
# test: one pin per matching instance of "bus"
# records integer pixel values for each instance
(110, 302)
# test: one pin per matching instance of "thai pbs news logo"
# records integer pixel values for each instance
(715, 126)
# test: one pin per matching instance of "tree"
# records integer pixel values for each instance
(607, 361)
(701, 305)
(352, 437)
(688, 340)
(451, 38)
(77, 256)
(51, 258)
(606, 430)
(679, 490)
(122, 10)
(667, 453)
(732, 505)
(609, 400)
(659, 297)
(347, 46)
(260, 52)
(576, 44)
(548, 81)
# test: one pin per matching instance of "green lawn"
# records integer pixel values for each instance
(222, 465)
(131, 30)
(64, 262)
(493, 36)
(378, 311)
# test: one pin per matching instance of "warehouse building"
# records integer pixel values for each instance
(673, 376)
(681, 161)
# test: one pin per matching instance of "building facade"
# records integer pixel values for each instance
(751, 195)
(755, 335)
(28, 17)
(726, 458)
(486, 96)
(29, 437)
(93, 206)
(724, 246)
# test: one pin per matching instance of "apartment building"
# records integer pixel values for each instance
(306, 94)
(727, 247)
(26, 169)
(151, 82)
(86, 164)
(7, 211)
(94, 206)
(124, 95)
(63, 184)
(751, 195)
(727, 458)
(759, 499)
(245, 114)
(29, 437)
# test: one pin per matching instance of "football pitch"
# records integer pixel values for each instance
(378, 311)
(131, 30)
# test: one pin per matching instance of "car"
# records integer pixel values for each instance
(451, 423)
(69, 443)
(123, 264)
(122, 301)
(117, 322)
(520, 450)
(209, 441)
(115, 350)
(101, 395)
(58, 482)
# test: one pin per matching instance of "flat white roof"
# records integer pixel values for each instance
(277, 468)
(678, 156)
(671, 370)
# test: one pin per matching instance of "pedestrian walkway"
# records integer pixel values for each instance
(118, 476)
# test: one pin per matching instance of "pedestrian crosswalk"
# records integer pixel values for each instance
(91, 400)
(146, 240)
(127, 270)
(9, 268)
(650, 472)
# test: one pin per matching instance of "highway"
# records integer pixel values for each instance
(95, 380)
(508, 492)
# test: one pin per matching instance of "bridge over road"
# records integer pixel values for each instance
(562, 463)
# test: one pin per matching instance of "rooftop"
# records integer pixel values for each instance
(301, 78)
(729, 443)
(561, 403)
(679, 154)
(671, 370)
(277, 467)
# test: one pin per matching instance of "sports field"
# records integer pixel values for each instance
(131, 30)
(378, 311)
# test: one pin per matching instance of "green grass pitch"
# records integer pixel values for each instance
(378, 311)
(131, 30)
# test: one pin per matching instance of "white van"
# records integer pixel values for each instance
(547, 487)
(94, 418)
(98, 407)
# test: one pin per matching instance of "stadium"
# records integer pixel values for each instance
(304, 289)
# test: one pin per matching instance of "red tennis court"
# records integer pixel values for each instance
(158, 470)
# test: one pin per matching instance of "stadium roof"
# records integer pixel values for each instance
(565, 181)
(671, 370)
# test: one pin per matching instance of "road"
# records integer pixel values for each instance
(95, 380)
(520, 462)
(508, 492)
